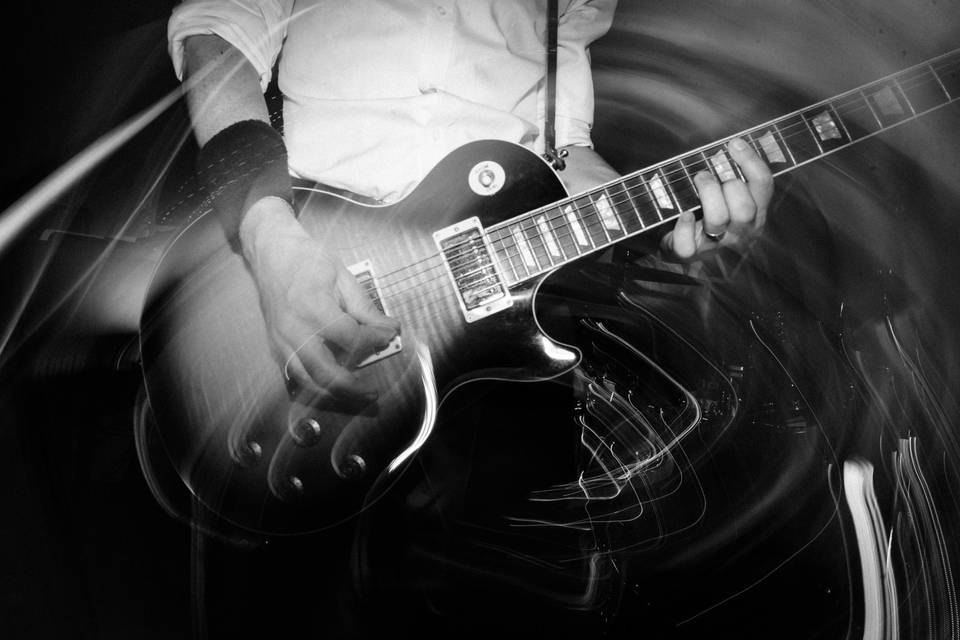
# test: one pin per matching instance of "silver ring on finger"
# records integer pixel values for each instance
(714, 237)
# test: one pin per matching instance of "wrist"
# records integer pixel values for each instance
(240, 166)
(265, 223)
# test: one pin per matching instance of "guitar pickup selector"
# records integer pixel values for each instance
(363, 272)
(479, 283)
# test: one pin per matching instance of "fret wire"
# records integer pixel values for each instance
(653, 198)
(506, 251)
(646, 190)
(633, 205)
(547, 220)
(689, 177)
(583, 216)
(574, 229)
(786, 146)
(522, 262)
(666, 183)
(596, 211)
(570, 230)
(589, 214)
(851, 99)
(613, 207)
(542, 238)
(530, 247)
(903, 94)
(813, 133)
(872, 110)
(679, 192)
(936, 77)
(684, 187)
(836, 115)
(709, 163)
(577, 224)
(584, 226)
(733, 163)
(583, 222)
(751, 138)
(943, 68)
(558, 235)
(796, 131)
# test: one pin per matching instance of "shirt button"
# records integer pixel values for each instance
(442, 11)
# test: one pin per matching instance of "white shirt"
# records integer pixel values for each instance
(376, 92)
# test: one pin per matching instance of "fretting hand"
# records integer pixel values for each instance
(733, 210)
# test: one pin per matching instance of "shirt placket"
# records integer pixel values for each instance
(436, 54)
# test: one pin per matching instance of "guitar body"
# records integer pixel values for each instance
(440, 260)
(275, 461)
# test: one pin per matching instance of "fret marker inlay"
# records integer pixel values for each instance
(660, 192)
(575, 225)
(768, 142)
(607, 214)
(722, 167)
(524, 247)
(826, 127)
(548, 238)
(886, 99)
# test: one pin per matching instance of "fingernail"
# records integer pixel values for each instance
(738, 144)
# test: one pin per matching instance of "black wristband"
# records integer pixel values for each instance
(243, 163)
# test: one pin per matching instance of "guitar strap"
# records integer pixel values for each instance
(550, 152)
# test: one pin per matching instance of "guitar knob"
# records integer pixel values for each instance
(305, 432)
(353, 467)
(248, 454)
(288, 489)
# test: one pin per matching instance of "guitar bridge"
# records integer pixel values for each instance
(363, 272)
(480, 286)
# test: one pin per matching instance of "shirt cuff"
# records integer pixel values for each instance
(572, 132)
(252, 33)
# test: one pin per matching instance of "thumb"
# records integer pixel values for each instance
(358, 304)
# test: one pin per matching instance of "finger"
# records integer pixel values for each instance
(323, 369)
(349, 341)
(739, 202)
(716, 216)
(757, 174)
(339, 330)
(682, 240)
(370, 340)
(358, 304)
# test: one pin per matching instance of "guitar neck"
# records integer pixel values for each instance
(542, 240)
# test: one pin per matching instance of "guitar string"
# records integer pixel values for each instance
(425, 290)
(526, 222)
(860, 101)
(789, 133)
(682, 191)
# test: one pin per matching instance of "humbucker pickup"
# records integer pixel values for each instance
(480, 286)
(363, 272)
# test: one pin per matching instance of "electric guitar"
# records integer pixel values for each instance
(459, 261)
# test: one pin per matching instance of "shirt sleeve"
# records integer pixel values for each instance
(580, 24)
(255, 27)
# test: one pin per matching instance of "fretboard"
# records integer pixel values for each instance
(541, 240)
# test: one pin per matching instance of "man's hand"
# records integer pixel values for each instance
(320, 321)
(732, 211)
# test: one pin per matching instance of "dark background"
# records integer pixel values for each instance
(89, 553)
